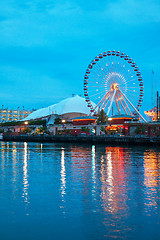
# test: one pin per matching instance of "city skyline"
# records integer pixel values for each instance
(46, 47)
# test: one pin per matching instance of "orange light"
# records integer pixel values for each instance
(151, 113)
(82, 120)
(121, 118)
(114, 86)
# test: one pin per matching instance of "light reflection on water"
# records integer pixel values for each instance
(76, 191)
(151, 179)
(63, 177)
(93, 171)
(25, 175)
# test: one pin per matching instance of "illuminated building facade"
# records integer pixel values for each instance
(84, 120)
(120, 119)
(8, 115)
(152, 114)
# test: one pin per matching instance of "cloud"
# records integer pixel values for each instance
(29, 25)
(35, 86)
(134, 12)
(48, 23)
(52, 42)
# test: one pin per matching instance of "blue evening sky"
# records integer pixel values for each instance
(46, 45)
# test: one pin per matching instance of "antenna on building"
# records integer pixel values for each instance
(154, 89)
(158, 105)
(152, 97)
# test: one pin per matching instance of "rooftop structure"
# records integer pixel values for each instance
(68, 108)
(120, 119)
(84, 120)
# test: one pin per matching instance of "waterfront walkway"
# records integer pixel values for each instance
(109, 140)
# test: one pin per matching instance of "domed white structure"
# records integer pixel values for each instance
(68, 108)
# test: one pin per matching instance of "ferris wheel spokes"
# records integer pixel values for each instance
(109, 108)
(125, 103)
(109, 98)
(103, 99)
(119, 98)
(108, 95)
(117, 104)
(133, 107)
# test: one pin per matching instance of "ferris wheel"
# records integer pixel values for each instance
(114, 83)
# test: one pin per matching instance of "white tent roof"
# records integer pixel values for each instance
(75, 104)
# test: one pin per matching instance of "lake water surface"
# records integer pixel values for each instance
(82, 192)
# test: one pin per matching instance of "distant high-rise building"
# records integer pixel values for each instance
(8, 115)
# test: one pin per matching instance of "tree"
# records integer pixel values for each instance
(140, 130)
(27, 130)
(66, 131)
(85, 129)
(1, 130)
(42, 130)
(102, 117)
(57, 121)
(103, 129)
(37, 122)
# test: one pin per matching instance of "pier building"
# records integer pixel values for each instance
(66, 109)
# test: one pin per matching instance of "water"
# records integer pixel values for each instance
(65, 191)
